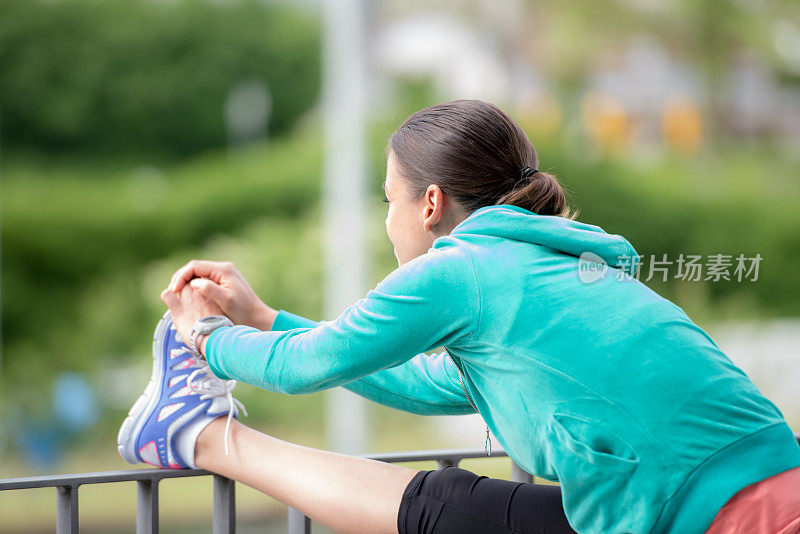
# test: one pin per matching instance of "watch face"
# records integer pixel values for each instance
(211, 319)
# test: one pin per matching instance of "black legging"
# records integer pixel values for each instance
(459, 501)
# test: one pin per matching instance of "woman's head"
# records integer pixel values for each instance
(448, 160)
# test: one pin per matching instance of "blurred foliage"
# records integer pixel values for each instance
(731, 203)
(78, 247)
(712, 36)
(116, 75)
(708, 32)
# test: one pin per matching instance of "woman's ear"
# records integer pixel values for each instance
(434, 207)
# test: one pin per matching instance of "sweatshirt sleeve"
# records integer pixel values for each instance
(425, 384)
(429, 302)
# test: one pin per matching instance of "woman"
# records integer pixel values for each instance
(599, 384)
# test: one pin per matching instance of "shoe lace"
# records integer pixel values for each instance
(210, 386)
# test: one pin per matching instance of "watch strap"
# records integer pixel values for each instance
(204, 326)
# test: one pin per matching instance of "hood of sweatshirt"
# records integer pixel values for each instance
(585, 241)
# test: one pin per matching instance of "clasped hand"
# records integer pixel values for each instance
(201, 288)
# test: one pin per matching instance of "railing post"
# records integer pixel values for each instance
(446, 462)
(224, 505)
(67, 510)
(298, 523)
(518, 474)
(147, 507)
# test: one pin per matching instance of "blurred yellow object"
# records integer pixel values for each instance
(606, 122)
(682, 125)
(540, 115)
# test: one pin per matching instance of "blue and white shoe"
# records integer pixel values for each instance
(182, 397)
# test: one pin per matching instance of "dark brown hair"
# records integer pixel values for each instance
(475, 153)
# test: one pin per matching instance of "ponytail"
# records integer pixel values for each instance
(539, 192)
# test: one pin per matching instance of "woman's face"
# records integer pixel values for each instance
(414, 223)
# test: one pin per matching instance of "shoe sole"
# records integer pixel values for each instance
(147, 401)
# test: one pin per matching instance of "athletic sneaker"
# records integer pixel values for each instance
(182, 397)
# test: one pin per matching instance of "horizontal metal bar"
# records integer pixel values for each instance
(101, 477)
(74, 480)
(155, 475)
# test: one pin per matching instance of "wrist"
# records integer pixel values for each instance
(201, 344)
(265, 318)
(202, 329)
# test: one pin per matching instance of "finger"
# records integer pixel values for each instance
(195, 269)
(170, 299)
(211, 290)
(180, 276)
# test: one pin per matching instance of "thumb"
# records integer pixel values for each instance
(170, 298)
(209, 289)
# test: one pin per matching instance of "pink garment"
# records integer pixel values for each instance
(771, 506)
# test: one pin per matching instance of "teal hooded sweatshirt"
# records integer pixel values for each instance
(597, 383)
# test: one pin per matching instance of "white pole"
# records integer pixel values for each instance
(344, 103)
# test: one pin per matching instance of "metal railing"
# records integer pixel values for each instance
(224, 503)
(224, 513)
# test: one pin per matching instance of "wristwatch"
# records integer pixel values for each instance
(204, 327)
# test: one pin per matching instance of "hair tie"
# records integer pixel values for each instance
(527, 172)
